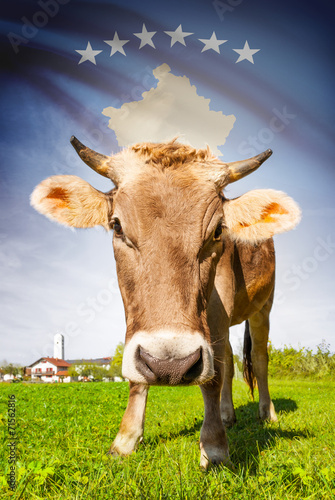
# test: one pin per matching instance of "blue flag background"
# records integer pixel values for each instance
(270, 65)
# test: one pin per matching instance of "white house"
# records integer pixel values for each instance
(49, 370)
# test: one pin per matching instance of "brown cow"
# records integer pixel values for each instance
(190, 264)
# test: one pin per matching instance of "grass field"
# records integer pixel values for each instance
(63, 432)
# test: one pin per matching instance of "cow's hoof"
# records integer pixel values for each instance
(112, 452)
(268, 413)
(123, 446)
(213, 456)
(115, 451)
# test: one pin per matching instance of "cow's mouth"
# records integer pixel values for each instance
(169, 371)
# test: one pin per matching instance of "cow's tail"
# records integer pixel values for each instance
(248, 373)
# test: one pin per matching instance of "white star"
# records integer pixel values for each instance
(212, 43)
(88, 54)
(178, 35)
(146, 37)
(116, 44)
(246, 53)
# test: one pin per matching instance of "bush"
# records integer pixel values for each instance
(115, 369)
(302, 362)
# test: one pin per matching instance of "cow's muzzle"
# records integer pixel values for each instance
(168, 357)
(170, 371)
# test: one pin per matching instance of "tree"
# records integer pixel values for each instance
(118, 355)
(86, 370)
(115, 369)
(238, 363)
(99, 372)
(89, 370)
(74, 371)
(10, 369)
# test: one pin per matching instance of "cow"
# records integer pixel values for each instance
(190, 264)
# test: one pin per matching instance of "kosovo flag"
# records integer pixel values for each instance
(238, 76)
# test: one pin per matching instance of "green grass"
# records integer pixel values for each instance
(64, 431)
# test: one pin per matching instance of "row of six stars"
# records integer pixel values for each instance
(177, 36)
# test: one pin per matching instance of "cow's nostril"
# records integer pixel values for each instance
(195, 370)
(143, 365)
(169, 371)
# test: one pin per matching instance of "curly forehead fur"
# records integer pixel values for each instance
(172, 154)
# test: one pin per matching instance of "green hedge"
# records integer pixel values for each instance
(288, 361)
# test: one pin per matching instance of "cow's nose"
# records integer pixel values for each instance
(170, 371)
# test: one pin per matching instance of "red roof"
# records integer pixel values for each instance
(53, 361)
(57, 361)
(63, 373)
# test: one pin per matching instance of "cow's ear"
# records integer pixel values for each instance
(71, 201)
(258, 215)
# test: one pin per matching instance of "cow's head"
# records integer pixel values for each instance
(170, 224)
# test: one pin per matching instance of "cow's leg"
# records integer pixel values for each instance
(213, 439)
(227, 407)
(259, 332)
(132, 424)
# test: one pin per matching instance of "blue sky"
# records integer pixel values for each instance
(58, 280)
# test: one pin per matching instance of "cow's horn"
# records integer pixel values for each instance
(239, 169)
(103, 165)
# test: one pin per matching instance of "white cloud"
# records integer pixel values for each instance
(171, 109)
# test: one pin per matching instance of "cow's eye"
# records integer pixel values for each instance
(117, 227)
(218, 232)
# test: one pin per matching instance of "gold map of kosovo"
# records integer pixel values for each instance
(173, 108)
